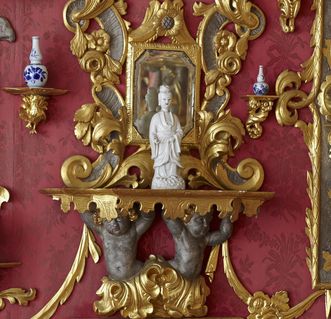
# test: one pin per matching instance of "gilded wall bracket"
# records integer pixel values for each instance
(34, 104)
(259, 107)
(154, 290)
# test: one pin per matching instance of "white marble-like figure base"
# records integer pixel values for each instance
(171, 182)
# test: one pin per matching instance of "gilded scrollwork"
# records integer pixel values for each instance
(219, 140)
(107, 128)
(229, 49)
(157, 289)
(324, 98)
(92, 52)
(17, 295)
(291, 99)
(98, 127)
(100, 124)
(289, 10)
(33, 111)
(258, 110)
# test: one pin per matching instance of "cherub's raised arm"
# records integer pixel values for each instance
(87, 217)
(174, 225)
(221, 235)
(144, 221)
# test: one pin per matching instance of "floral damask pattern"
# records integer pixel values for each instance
(268, 252)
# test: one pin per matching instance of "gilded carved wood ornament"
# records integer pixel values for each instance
(112, 124)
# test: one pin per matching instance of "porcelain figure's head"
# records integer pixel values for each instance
(165, 97)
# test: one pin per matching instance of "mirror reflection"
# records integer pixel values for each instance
(173, 69)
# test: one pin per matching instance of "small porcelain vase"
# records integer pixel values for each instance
(35, 74)
(260, 87)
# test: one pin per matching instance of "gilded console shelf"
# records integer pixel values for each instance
(34, 104)
(259, 107)
(175, 202)
(157, 287)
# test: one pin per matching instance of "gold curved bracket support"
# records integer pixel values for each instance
(259, 107)
(87, 245)
(34, 104)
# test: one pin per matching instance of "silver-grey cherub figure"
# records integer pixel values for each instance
(191, 238)
(120, 237)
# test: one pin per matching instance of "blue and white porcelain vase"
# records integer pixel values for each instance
(35, 74)
(260, 87)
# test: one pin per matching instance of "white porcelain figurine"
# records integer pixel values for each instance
(165, 135)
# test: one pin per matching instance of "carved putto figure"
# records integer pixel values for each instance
(191, 238)
(165, 135)
(120, 237)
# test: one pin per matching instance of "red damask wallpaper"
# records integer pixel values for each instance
(268, 252)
